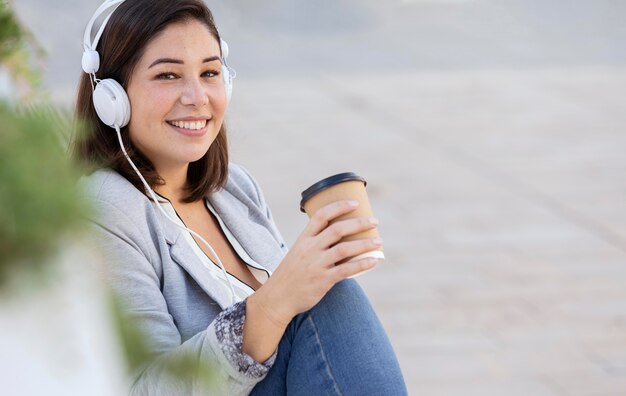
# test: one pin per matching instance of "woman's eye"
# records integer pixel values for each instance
(166, 76)
(211, 73)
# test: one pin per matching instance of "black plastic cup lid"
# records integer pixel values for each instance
(328, 182)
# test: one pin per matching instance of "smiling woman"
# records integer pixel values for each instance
(275, 321)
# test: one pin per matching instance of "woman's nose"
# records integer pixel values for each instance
(194, 93)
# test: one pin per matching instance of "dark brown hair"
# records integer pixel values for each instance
(129, 30)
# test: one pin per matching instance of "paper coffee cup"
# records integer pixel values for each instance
(343, 186)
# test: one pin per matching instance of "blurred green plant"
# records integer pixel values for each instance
(11, 33)
(18, 53)
(39, 199)
(41, 206)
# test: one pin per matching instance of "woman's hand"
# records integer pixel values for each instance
(308, 271)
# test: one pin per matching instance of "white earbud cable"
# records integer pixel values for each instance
(156, 201)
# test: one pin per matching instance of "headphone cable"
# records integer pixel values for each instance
(154, 198)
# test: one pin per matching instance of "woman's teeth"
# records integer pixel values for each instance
(189, 124)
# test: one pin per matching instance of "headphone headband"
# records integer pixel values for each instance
(87, 43)
(91, 58)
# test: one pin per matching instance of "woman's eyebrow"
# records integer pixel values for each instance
(180, 62)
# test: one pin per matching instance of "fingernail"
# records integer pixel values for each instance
(372, 263)
(353, 203)
(373, 220)
(377, 241)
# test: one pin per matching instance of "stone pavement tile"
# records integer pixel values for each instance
(544, 283)
(484, 373)
(596, 256)
(609, 356)
(559, 333)
(604, 256)
(539, 360)
(588, 196)
(587, 383)
(433, 367)
(486, 387)
(495, 317)
(527, 233)
(486, 277)
(593, 306)
(424, 342)
(482, 108)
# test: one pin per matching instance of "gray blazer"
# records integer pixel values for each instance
(167, 289)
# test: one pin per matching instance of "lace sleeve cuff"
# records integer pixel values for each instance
(229, 331)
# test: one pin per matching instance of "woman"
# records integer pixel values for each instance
(276, 321)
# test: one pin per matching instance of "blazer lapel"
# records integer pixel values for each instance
(182, 254)
(249, 226)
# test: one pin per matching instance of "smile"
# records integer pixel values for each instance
(191, 125)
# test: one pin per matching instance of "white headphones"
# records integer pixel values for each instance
(109, 98)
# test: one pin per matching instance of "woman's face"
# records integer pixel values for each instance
(177, 96)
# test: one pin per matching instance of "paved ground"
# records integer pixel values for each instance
(492, 136)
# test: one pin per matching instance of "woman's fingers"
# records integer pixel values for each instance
(333, 234)
(325, 214)
(351, 268)
(344, 250)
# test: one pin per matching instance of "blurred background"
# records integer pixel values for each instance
(491, 133)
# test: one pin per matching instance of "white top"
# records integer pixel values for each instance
(242, 290)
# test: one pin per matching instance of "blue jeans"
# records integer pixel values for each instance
(339, 347)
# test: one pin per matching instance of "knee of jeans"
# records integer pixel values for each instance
(345, 298)
(347, 294)
(346, 288)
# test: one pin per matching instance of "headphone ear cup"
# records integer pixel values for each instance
(111, 103)
(228, 82)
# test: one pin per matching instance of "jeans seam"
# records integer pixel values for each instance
(319, 342)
